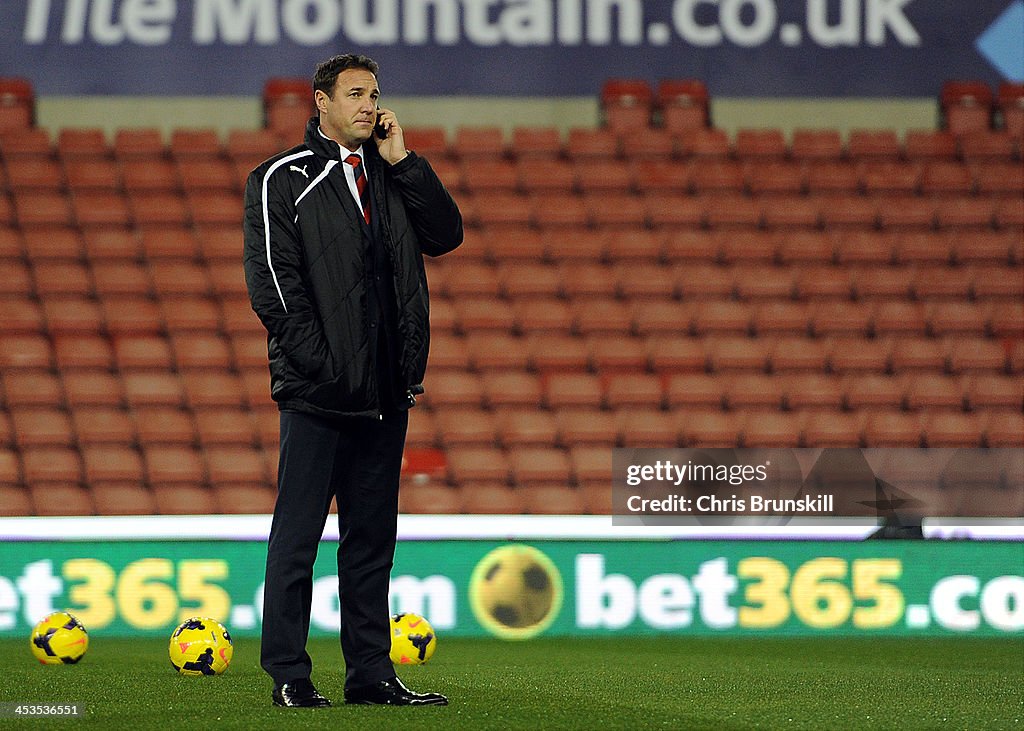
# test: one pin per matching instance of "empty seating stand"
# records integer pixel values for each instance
(696, 290)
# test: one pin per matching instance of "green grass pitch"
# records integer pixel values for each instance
(571, 683)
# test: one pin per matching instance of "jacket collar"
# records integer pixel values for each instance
(325, 147)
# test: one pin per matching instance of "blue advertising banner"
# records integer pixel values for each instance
(514, 47)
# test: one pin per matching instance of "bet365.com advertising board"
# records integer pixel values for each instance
(518, 590)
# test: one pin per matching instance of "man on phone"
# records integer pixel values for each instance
(335, 232)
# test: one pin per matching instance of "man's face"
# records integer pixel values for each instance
(349, 117)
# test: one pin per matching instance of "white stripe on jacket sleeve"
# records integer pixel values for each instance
(266, 216)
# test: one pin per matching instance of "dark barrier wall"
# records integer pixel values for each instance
(747, 48)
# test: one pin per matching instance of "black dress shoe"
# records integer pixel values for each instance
(391, 692)
(299, 694)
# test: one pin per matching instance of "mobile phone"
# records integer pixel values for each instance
(379, 129)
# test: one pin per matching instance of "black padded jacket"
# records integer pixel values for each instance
(305, 271)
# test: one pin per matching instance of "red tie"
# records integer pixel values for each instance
(364, 195)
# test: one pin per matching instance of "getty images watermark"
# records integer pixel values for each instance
(714, 501)
(894, 486)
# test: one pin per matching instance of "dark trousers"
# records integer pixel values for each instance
(357, 461)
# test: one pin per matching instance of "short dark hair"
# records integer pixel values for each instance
(326, 75)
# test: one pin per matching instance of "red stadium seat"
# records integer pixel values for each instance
(539, 177)
(605, 315)
(1010, 102)
(183, 499)
(772, 429)
(287, 105)
(35, 173)
(112, 463)
(14, 501)
(457, 425)
(83, 351)
(536, 142)
(586, 427)
(952, 429)
(431, 499)
(511, 389)
(32, 388)
(778, 177)
(673, 354)
(530, 465)
(811, 144)
(90, 388)
(25, 143)
(626, 104)
(527, 280)
(898, 317)
(711, 428)
(487, 174)
(933, 391)
(467, 465)
(96, 208)
(583, 143)
(581, 281)
(830, 177)
(553, 499)
(652, 144)
(529, 427)
(890, 177)
(152, 389)
(21, 316)
(869, 144)
(632, 390)
(493, 499)
(103, 425)
(986, 146)
(966, 106)
(610, 352)
(591, 463)
(51, 464)
(604, 176)
(893, 429)
(429, 141)
(17, 104)
(825, 429)
(479, 142)
(61, 497)
(41, 427)
(199, 176)
(704, 143)
(573, 389)
(717, 176)
(549, 352)
(683, 104)
(133, 144)
(930, 144)
(188, 144)
(538, 315)
(42, 208)
(754, 391)
(760, 143)
(647, 428)
(122, 498)
(251, 144)
(857, 355)
(661, 176)
(695, 390)
(789, 354)
(654, 316)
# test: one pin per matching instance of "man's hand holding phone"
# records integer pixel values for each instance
(389, 137)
